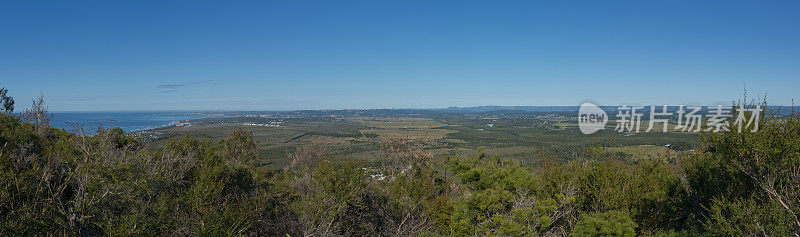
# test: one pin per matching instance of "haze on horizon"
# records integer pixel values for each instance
(266, 55)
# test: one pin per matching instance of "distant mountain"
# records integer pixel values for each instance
(489, 108)
(784, 110)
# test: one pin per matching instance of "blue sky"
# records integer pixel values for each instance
(264, 55)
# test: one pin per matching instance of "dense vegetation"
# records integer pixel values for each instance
(54, 182)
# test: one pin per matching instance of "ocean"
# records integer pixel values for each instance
(128, 121)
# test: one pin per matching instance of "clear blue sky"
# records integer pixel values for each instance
(264, 55)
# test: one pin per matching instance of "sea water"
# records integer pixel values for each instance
(127, 121)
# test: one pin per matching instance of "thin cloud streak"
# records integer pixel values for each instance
(172, 86)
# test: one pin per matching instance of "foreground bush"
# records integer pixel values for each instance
(610, 223)
(54, 182)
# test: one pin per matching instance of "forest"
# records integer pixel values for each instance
(68, 183)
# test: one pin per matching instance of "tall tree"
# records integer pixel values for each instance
(8, 102)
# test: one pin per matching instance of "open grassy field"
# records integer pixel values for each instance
(360, 137)
(406, 128)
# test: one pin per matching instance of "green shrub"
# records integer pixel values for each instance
(610, 223)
